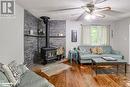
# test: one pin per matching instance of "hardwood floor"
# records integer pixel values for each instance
(84, 76)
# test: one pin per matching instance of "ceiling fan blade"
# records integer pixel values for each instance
(99, 1)
(115, 11)
(94, 1)
(64, 9)
(102, 9)
(81, 16)
(91, 2)
(100, 15)
(86, 1)
(112, 12)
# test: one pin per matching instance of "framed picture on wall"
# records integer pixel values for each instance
(73, 35)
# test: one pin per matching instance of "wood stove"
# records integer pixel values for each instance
(47, 53)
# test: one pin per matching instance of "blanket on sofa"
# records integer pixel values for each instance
(30, 79)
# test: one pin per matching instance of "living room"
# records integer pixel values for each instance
(65, 45)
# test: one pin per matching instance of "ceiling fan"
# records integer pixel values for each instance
(90, 10)
(93, 12)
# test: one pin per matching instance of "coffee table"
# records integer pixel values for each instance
(100, 61)
(50, 70)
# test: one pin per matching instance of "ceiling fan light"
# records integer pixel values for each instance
(100, 15)
(88, 17)
(103, 9)
(100, 1)
(93, 16)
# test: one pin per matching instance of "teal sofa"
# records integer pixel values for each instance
(85, 54)
(28, 79)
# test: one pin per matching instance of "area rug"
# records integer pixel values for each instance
(54, 68)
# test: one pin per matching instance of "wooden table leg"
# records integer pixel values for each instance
(92, 64)
(70, 57)
(117, 69)
(96, 68)
(125, 69)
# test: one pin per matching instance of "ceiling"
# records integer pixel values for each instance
(42, 7)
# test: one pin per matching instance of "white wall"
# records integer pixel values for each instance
(72, 25)
(120, 40)
(11, 37)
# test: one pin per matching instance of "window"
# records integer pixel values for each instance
(95, 35)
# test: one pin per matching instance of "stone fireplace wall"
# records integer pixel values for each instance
(32, 44)
(57, 27)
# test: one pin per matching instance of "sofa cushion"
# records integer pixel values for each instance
(1, 69)
(94, 50)
(30, 79)
(22, 69)
(112, 55)
(99, 50)
(107, 49)
(89, 56)
(4, 80)
(13, 66)
(85, 49)
(9, 75)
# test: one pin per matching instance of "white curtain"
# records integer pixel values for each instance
(95, 35)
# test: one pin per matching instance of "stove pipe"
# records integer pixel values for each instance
(46, 22)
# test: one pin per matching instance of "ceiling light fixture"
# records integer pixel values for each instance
(90, 17)
(93, 16)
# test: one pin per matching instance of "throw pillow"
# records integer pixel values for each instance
(13, 66)
(22, 69)
(9, 75)
(93, 50)
(60, 51)
(99, 50)
(1, 69)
